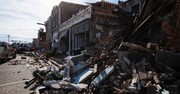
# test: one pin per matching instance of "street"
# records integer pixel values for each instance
(13, 74)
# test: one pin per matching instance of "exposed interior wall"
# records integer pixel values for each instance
(67, 10)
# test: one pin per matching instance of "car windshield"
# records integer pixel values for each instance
(1, 44)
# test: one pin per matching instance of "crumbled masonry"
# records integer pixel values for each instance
(141, 59)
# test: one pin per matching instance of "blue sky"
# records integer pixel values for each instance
(18, 18)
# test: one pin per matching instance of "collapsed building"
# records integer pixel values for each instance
(127, 52)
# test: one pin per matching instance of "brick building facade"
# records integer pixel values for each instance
(59, 14)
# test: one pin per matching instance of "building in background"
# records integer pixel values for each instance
(41, 40)
(34, 42)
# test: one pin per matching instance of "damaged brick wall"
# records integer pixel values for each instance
(104, 23)
(172, 29)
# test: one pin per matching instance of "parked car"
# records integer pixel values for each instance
(6, 51)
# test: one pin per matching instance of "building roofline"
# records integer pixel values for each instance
(65, 2)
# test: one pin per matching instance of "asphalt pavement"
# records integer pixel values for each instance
(13, 75)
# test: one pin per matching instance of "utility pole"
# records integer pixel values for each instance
(8, 38)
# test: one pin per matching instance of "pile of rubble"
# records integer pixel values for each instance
(136, 60)
(137, 71)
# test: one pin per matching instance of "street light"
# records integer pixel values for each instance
(41, 24)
